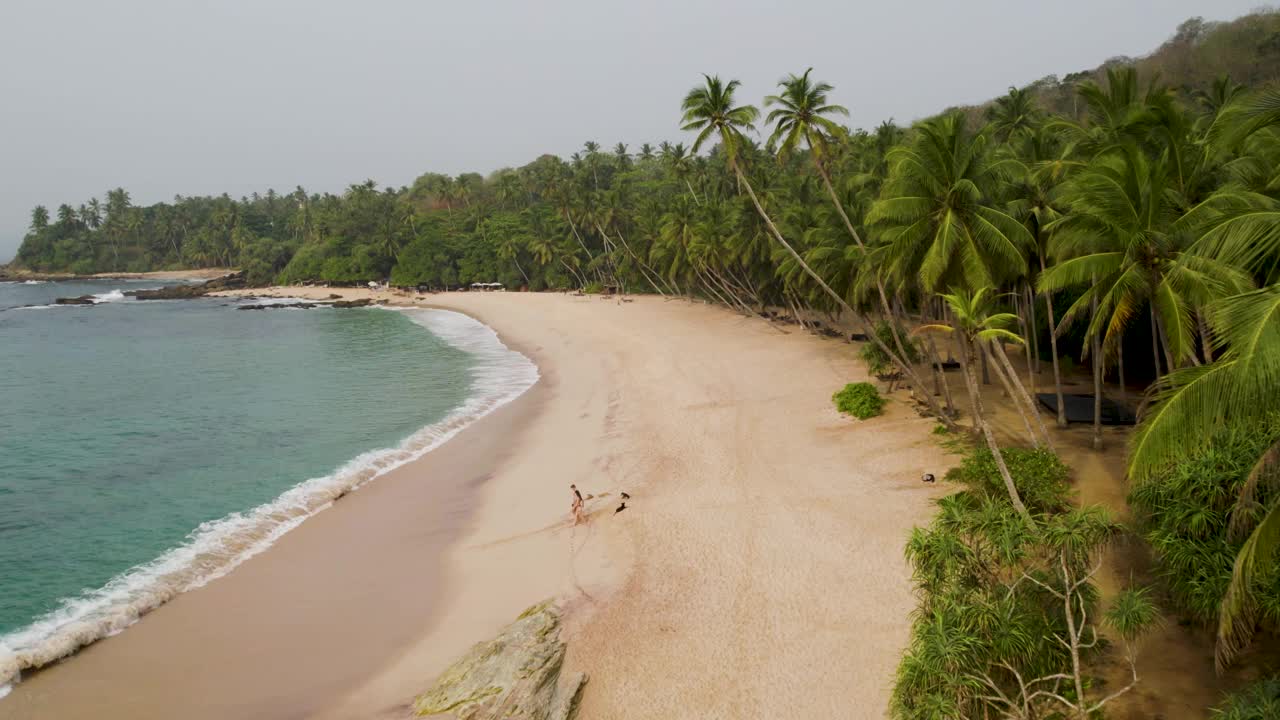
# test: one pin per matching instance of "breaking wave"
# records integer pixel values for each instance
(213, 549)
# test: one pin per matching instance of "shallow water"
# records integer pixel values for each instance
(149, 446)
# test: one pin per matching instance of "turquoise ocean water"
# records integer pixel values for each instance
(147, 447)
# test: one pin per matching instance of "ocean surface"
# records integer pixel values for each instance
(148, 447)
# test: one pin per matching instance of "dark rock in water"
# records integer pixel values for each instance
(515, 676)
(282, 306)
(362, 302)
(174, 292)
(82, 300)
(234, 281)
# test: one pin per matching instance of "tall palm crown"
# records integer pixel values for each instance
(709, 110)
(1122, 241)
(938, 212)
(802, 115)
(1014, 114)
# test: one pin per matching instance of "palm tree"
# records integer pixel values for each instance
(974, 325)
(802, 117)
(1014, 114)
(938, 211)
(1123, 242)
(709, 110)
(1039, 203)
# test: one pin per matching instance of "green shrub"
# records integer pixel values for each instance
(1184, 512)
(878, 363)
(1259, 701)
(593, 288)
(860, 400)
(1040, 475)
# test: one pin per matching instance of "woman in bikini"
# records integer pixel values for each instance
(577, 504)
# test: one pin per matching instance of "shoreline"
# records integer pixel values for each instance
(503, 379)
(196, 274)
(755, 506)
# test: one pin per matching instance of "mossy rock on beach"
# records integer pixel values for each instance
(515, 676)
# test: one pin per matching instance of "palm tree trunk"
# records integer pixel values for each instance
(527, 282)
(1155, 343)
(1095, 354)
(585, 249)
(986, 374)
(848, 224)
(916, 385)
(1205, 341)
(980, 424)
(1124, 396)
(691, 192)
(1035, 330)
(1027, 330)
(1164, 343)
(579, 278)
(640, 263)
(1053, 348)
(1027, 399)
(939, 374)
(1017, 403)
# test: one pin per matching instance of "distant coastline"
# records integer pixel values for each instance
(12, 274)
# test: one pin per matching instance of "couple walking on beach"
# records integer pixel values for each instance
(579, 503)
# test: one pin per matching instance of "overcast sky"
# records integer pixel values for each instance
(168, 97)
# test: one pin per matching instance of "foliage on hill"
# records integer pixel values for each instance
(1192, 61)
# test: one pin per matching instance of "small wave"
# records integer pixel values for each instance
(113, 296)
(37, 307)
(35, 282)
(213, 549)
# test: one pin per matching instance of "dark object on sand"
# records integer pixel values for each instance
(621, 507)
(928, 477)
(1080, 409)
(626, 496)
(948, 365)
(858, 337)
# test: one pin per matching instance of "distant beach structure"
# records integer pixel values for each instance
(488, 286)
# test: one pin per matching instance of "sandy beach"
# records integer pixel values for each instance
(757, 572)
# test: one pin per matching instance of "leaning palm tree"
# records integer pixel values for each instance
(974, 324)
(709, 110)
(802, 117)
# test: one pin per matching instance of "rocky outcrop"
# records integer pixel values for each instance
(82, 300)
(362, 302)
(515, 676)
(233, 281)
(353, 303)
(279, 306)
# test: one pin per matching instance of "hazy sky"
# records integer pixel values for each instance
(168, 97)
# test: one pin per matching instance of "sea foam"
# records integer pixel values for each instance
(499, 375)
(113, 296)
